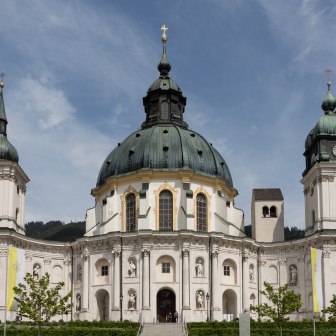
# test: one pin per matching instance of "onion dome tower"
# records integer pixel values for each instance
(164, 142)
(163, 149)
(319, 177)
(13, 179)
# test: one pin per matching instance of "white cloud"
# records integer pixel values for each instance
(48, 103)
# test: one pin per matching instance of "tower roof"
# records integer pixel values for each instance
(7, 150)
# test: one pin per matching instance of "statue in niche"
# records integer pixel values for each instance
(79, 272)
(199, 268)
(36, 272)
(78, 302)
(131, 301)
(131, 268)
(199, 300)
(251, 272)
(293, 275)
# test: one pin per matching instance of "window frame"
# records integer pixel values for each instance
(201, 212)
(227, 270)
(104, 270)
(165, 267)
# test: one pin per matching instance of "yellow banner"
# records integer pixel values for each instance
(15, 273)
(316, 263)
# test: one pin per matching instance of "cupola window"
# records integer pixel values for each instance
(166, 210)
(201, 208)
(130, 212)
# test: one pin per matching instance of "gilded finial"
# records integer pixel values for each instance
(329, 71)
(2, 84)
(164, 29)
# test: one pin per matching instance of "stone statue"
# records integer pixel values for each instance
(199, 300)
(36, 272)
(131, 268)
(131, 301)
(251, 272)
(79, 272)
(78, 302)
(293, 275)
(199, 268)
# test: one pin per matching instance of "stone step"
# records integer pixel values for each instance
(162, 329)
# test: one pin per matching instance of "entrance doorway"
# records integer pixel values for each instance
(103, 300)
(165, 304)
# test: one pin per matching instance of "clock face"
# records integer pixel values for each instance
(334, 150)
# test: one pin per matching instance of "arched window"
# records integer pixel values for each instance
(165, 210)
(265, 211)
(273, 211)
(130, 212)
(201, 208)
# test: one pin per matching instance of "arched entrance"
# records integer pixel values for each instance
(229, 305)
(165, 304)
(103, 303)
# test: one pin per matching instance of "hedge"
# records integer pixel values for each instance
(76, 328)
(304, 328)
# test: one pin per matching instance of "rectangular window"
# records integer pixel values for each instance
(227, 270)
(165, 267)
(104, 270)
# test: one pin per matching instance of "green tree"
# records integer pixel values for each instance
(282, 302)
(331, 309)
(38, 301)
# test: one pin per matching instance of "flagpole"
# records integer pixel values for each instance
(6, 293)
(314, 327)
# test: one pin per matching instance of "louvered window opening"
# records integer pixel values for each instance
(130, 212)
(201, 206)
(166, 210)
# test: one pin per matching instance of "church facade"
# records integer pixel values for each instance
(164, 235)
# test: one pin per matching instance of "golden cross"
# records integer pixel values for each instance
(2, 74)
(164, 35)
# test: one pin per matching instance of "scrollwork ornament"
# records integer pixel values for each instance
(185, 253)
(145, 252)
(326, 253)
(282, 261)
(3, 252)
(85, 254)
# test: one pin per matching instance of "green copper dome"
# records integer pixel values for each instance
(7, 150)
(164, 142)
(165, 147)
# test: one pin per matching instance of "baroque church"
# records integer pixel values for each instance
(164, 235)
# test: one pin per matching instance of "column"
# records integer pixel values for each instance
(185, 281)
(3, 281)
(215, 295)
(246, 290)
(145, 278)
(116, 280)
(85, 294)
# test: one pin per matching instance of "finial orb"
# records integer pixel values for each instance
(2, 85)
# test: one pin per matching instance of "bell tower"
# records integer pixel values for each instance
(13, 179)
(319, 177)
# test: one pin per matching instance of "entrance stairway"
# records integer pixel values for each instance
(162, 329)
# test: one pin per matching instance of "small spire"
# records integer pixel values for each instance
(2, 84)
(329, 102)
(164, 66)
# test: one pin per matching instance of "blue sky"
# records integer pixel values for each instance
(252, 72)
